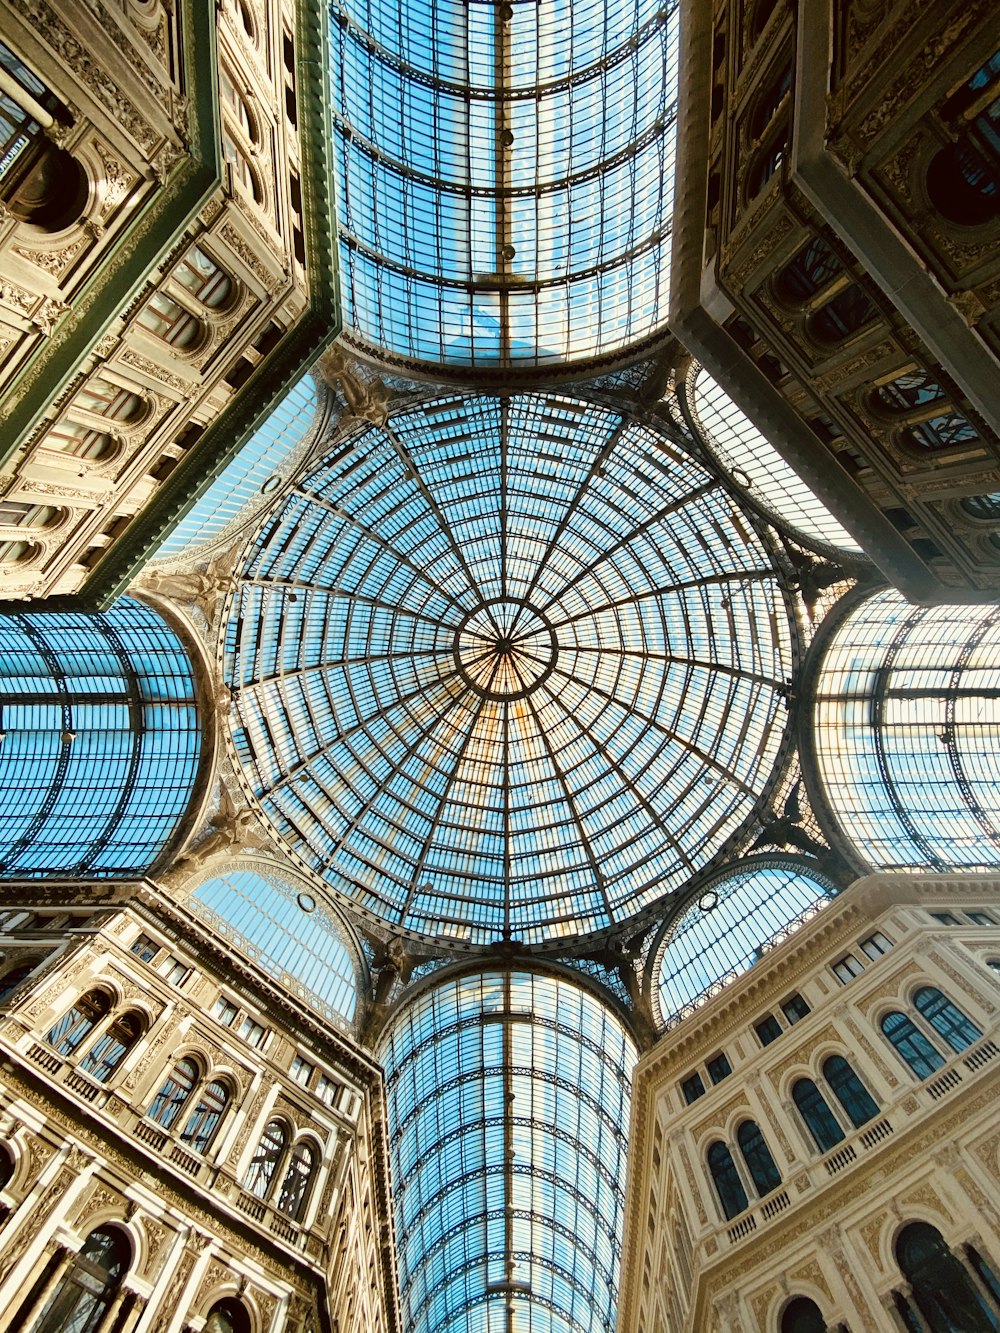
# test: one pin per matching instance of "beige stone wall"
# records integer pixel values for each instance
(82, 469)
(87, 1153)
(827, 1232)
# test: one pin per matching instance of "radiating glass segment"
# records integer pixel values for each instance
(755, 465)
(722, 934)
(253, 473)
(508, 668)
(907, 734)
(263, 918)
(101, 741)
(505, 176)
(508, 1098)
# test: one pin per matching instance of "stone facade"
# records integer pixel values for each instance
(827, 1229)
(91, 1147)
(823, 293)
(130, 328)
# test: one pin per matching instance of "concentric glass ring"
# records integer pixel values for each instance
(508, 668)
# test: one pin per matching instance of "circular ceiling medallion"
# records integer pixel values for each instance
(508, 668)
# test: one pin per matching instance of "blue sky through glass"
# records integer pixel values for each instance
(505, 183)
(508, 667)
(508, 1105)
(261, 916)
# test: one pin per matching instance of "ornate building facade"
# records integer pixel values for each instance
(433, 745)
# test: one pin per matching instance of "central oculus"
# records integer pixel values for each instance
(504, 649)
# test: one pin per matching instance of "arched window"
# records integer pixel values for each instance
(983, 506)
(10, 981)
(110, 1049)
(77, 440)
(946, 1018)
(74, 1025)
(802, 1316)
(203, 278)
(767, 105)
(174, 1092)
(945, 431)
(726, 1178)
(169, 322)
(767, 162)
(820, 1120)
(242, 170)
(27, 514)
(88, 1286)
(907, 392)
(809, 272)
(237, 103)
(228, 1316)
(266, 1160)
(106, 399)
(942, 1288)
(912, 1045)
(204, 1119)
(298, 1178)
(963, 185)
(8, 1164)
(842, 315)
(848, 1089)
(757, 1155)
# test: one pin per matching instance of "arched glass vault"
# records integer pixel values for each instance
(508, 668)
(508, 1098)
(906, 734)
(505, 177)
(100, 741)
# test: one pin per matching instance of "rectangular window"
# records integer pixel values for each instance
(945, 918)
(794, 1008)
(981, 918)
(225, 1011)
(718, 1068)
(847, 967)
(252, 1032)
(301, 1071)
(768, 1030)
(172, 970)
(876, 945)
(327, 1089)
(145, 948)
(693, 1088)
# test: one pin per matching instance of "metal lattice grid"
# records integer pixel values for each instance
(286, 932)
(756, 466)
(508, 1097)
(505, 176)
(101, 741)
(508, 668)
(253, 475)
(906, 734)
(728, 926)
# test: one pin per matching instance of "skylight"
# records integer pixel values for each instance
(508, 668)
(505, 176)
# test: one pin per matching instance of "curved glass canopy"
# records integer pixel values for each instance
(287, 933)
(508, 668)
(508, 1098)
(907, 733)
(505, 176)
(251, 476)
(99, 741)
(722, 933)
(755, 465)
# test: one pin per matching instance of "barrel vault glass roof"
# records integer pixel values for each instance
(505, 176)
(508, 668)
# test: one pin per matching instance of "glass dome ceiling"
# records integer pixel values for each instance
(505, 176)
(508, 668)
